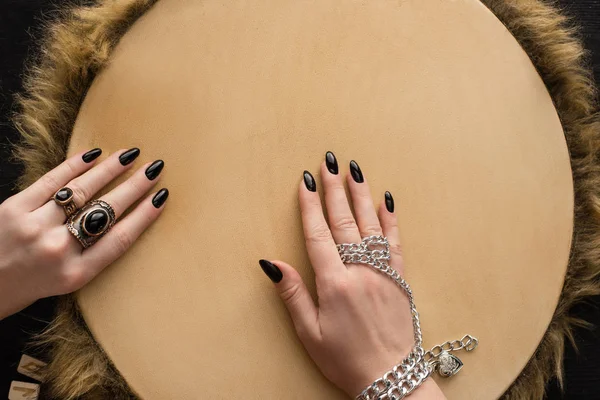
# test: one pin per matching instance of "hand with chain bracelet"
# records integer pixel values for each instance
(362, 325)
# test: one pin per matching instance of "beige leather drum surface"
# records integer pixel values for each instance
(435, 100)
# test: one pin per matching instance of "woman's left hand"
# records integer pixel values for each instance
(39, 257)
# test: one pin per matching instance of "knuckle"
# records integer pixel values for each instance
(8, 210)
(50, 182)
(117, 204)
(54, 249)
(392, 222)
(134, 185)
(335, 185)
(396, 250)
(70, 165)
(123, 240)
(80, 193)
(71, 280)
(147, 216)
(29, 231)
(291, 294)
(345, 223)
(319, 234)
(150, 217)
(310, 203)
(107, 169)
(364, 195)
(371, 229)
(340, 288)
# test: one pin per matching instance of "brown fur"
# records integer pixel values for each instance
(79, 44)
(79, 367)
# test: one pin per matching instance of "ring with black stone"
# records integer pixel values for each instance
(91, 222)
(64, 198)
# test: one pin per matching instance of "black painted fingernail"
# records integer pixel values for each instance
(331, 163)
(154, 169)
(91, 155)
(271, 270)
(389, 202)
(356, 172)
(309, 181)
(128, 156)
(160, 197)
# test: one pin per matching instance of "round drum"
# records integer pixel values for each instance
(437, 102)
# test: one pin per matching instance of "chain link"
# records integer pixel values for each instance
(468, 342)
(402, 380)
(405, 377)
(361, 253)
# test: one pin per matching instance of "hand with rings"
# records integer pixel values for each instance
(54, 237)
(362, 325)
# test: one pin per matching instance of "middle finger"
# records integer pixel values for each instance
(366, 216)
(341, 221)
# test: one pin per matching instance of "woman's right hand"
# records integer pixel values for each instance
(362, 326)
(39, 257)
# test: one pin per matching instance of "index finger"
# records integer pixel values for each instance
(44, 188)
(320, 246)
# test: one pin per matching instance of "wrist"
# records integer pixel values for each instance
(12, 299)
(402, 379)
(375, 369)
(429, 390)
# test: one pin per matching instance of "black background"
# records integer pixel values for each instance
(19, 26)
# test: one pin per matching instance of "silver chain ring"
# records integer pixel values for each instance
(418, 365)
(361, 253)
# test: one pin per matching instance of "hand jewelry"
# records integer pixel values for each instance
(409, 374)
(64, 198)
(90, 223)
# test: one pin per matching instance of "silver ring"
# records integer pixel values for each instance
(373, 250)
(91, 222)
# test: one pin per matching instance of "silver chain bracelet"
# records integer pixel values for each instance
(411, 372)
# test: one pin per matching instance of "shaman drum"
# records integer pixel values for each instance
(438, 101)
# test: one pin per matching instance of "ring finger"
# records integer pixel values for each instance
(92, 181)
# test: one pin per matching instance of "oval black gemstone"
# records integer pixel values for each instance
(63, 194)
(96, 221)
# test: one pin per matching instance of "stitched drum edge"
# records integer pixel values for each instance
(78, 44)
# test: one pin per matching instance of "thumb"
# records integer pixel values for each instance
(296, 297)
